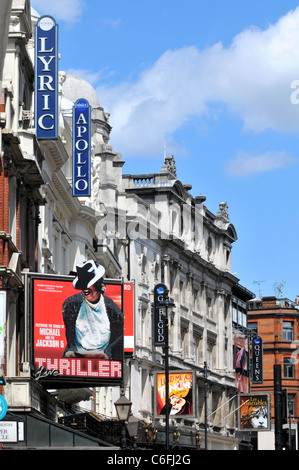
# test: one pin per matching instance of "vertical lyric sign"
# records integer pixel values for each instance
(46, 78)
(81, 148)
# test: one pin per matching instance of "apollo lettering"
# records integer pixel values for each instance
(81, 148)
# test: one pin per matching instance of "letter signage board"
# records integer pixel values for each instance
(257, 360)
(159, 318)
(46, 78)
(81, 148)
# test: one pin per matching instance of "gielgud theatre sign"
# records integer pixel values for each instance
(76, 337)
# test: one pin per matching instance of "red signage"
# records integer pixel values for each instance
(53, 323)
(128, 307)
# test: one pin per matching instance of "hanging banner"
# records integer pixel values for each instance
(257, 360)
(46, 78)
(81, 148)
(241, 360)
(159, 318)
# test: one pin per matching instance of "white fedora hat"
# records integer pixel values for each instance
(88, 273)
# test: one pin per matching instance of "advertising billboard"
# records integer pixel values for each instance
(46, 78)
(66, 333)
(181, 396)
(254, 412)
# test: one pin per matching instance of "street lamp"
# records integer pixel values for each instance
(123, 406)
(166, 303)
(132, 428)
(123, 409)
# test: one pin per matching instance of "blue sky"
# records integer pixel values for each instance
(218, 80)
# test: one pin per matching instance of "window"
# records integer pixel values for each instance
(291, 404)
(210, 354)
(196, 299)
(182, 293)
(209, 307)
(243, 317)
(235, 313)
(288, 331)
(288, 368)
(252, 326)
(196, 349)
(183, 342)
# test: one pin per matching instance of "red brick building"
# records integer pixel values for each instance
(276, 321)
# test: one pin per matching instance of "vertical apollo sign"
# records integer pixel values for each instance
(81, 148)
(46, 78)
(257, 360)
(159, 318)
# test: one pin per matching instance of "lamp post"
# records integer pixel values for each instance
(290, 409)
(206, 403)
(166, 303)
(123, 409)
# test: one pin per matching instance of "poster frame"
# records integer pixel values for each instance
(61, 381)
(193, 388)
(258, 396)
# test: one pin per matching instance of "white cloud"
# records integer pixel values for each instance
(246, 164)
(252, 79)
(66, 10)
(90, 76)
(111, 22)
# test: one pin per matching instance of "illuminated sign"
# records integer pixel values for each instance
(56, 307)
(257, 360)
(81, 148)
(46, 78)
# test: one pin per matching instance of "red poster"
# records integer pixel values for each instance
(128, 296)
(52, 358)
